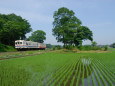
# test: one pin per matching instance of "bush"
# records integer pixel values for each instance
(80, 47)
(105, 48)
(58, 47)
(69, 47)
(54, 48)
(5, 48)
(88, 47)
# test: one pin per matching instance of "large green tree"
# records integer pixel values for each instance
(13, 27)
(38, 36)
(65, 25)
(82, 33)
(67, 28)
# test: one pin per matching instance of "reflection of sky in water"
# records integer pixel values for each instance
(87, 67)
(86, 61)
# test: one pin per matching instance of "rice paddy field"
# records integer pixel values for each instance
(59, 69)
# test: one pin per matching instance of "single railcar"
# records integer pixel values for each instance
(24, 45)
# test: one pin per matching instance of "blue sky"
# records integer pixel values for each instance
(98, 15)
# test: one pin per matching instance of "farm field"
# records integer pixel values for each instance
(59, 69)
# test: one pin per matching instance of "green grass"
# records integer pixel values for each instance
(57, 69)
(111, 49)
(5, 55)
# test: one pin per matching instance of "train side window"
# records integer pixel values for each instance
(20, 42)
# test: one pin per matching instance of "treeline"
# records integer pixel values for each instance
(67, 28)
(13, 27)
(93, 46)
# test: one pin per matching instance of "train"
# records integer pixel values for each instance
(29, 45)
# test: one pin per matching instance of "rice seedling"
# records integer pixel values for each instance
(52, 69)
(97, 78)
(78, 78)
(92, 78)
(104, 75)
(100, 75)
(104, 69)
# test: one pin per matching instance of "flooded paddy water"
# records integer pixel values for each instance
(84, 72)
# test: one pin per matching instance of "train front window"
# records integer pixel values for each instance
(17, 43)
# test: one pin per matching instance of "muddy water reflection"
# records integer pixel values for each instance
(85, 63)
(86, 69)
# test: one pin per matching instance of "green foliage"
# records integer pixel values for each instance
(67, 28)
(65, 24)
(49, 45)
(6, 48)
(106, 48)
(38, 36)
(54, 47)
(80, 47)
(13, 27)
(83, 33)
(94, 43)
(88, 47)
(58, 47)
(69, 47)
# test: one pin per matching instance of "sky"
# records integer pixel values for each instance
(98, 15)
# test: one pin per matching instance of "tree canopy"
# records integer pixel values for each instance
(38, 36)
(13, 27)
(67, 28)
(82, 33)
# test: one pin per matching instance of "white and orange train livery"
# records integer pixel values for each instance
(22, 44)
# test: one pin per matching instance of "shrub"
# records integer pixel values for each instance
(80, 47)
(54, 48)
(88, 47)
(105, 48)
(58, 47)
(5, 48)
(69, 47)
